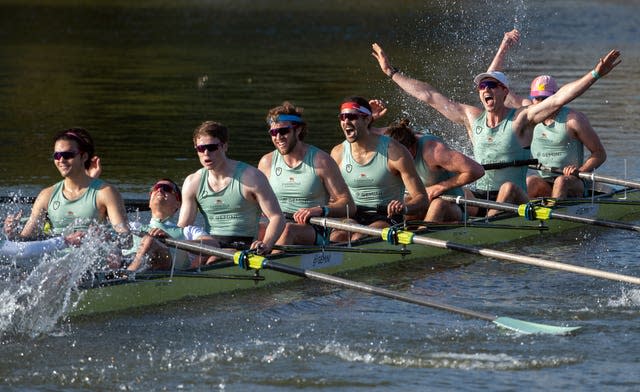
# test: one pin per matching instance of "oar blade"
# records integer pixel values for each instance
(527, 327)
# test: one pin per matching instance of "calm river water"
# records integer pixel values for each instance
(142, 75)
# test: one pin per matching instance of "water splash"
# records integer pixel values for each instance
(33, 301)
(628, 298)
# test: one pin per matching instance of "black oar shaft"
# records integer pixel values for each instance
(372, 289)
(305, 273)
(261, 262)
(503, 165)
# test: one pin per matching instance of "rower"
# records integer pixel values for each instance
(441, 169)
(558, 141)
(79, 200)
(164, 201)
(377, 169)
(499, 133)
(230, 194)
(306, 181)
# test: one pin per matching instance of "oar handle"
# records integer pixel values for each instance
(591, 176)
(502, 165)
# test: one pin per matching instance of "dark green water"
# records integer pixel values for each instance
(141, 78)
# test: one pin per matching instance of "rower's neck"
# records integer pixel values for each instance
(496, 117)
(295, 156)
(223, 168)
(77, 183)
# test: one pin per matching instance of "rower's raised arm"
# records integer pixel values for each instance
(454, 111)
(510, 39)
(572, 90)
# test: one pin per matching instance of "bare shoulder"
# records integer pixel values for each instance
(397, 151)
(108, 193)
(337, 150)
(336, 153)
(575, 115)
(251, 176)
(192, 178)
(265, 162)
(43, 197)
(323, 159)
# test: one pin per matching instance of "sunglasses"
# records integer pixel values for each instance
(208, 147)
(540, 99)
(349, 116)
(58, 155)
(488, 84)
(166, 188)
(280, 131)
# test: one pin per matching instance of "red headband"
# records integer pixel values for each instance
(354, 106)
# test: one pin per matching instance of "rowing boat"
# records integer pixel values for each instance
(108, 292)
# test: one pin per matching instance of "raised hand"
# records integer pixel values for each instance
(383, 60)
(378, 108)
(610, 61)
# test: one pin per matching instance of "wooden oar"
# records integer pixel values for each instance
(254, 261)
(130, 204)
(591, 176)
(407, 237)
(532, 212)
(502, 165)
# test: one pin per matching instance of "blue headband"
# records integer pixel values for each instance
(288, 117)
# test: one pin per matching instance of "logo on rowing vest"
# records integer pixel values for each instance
(56, 205)
(348, 168)
(478, 130)
(278, 171)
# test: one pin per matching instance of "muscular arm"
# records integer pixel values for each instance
(110, 200)
(339, 195)
(456, 112)
(265, 164)
(336, 154)
(580, 128)
(537, 113)
(34, 224)
(259, 189)
(189, 207)
(400, 161)
(442, 157)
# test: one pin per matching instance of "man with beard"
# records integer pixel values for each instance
(306, 181)
(377, 170)
(499, 133)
